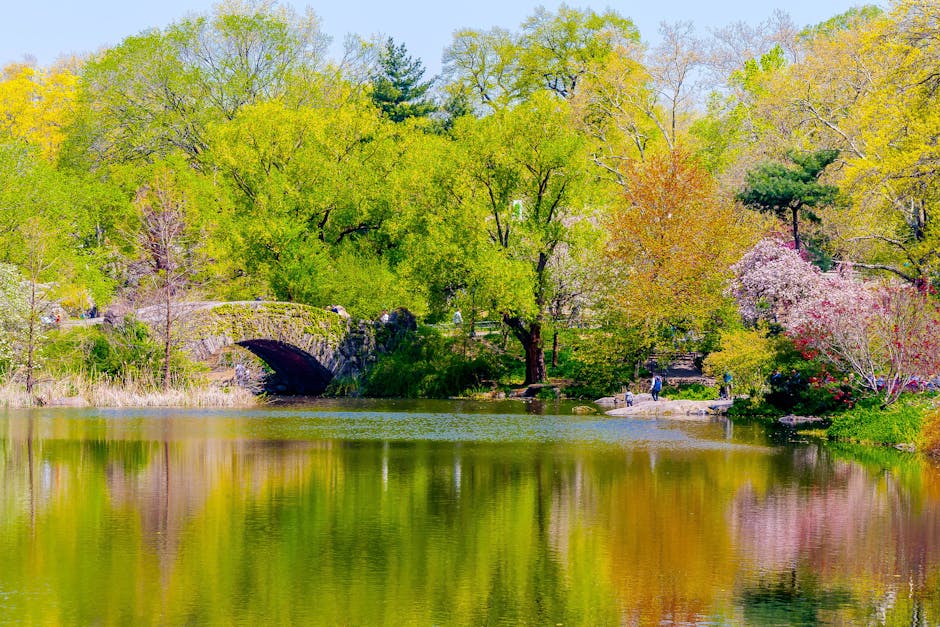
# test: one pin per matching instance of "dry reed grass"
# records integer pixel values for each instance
(77, 391)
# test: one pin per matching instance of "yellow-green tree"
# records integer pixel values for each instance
(892, 179)
(157, 92)
(36, 105)
(314, 188)
(513, 194)
(551, 52)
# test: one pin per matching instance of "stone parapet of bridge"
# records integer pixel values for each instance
(319, 332)
(306, 346)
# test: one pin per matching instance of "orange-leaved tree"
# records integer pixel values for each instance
(673, 239)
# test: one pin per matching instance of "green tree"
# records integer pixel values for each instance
(49, 230)
(733, 121)
(509, 196)
(397, 88)
(39, 260)
(155, 93)
(558, 49)
(15, 302)
(791, 192)
(551, 52)
(314, 188)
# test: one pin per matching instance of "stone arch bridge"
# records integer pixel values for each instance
(305, 346)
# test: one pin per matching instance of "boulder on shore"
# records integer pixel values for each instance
(680, 409)
(614, 401)
(793, 420)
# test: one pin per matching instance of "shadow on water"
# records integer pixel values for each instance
(789, 598)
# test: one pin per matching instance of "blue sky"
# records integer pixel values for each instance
(46, 29)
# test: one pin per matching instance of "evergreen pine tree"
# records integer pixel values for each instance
(397, 88)
(791, 192)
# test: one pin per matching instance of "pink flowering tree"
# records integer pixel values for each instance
(887, 335)
(770, 280)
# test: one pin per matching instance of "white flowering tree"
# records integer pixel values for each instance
(770, 280)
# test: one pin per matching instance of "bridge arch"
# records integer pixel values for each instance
(297, 371)
(305, 346)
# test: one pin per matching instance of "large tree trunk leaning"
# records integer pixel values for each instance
(530, 336)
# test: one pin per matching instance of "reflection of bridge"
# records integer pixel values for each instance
(305, 346)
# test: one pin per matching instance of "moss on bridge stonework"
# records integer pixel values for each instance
(316, 331)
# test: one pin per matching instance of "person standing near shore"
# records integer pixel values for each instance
(655, 386)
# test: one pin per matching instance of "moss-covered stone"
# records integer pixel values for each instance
(307, 346)
(209, 329)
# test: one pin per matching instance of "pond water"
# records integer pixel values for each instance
(450, 513)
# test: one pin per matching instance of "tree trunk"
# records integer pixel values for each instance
(530, 336)
(555, 348)
(796, 227)
(534, 355)
(31, 338)
(168, 321)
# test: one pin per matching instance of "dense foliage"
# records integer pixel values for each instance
(558, 176)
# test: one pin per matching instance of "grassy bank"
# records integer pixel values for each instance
(900, 423)
(912, 422)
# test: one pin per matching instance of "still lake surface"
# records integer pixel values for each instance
(454, 513)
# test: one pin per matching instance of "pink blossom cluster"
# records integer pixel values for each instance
(887, 335)
(770, 280)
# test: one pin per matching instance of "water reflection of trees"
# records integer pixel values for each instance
(207, 527)
(853, 537)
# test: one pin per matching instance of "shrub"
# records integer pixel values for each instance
(343, 386)
(930, 432)
(691, 392)
(598, 361)
(807, 388)
(427, 365)
(748, 355)
(124, 351)
(752, 409)
(870, 422)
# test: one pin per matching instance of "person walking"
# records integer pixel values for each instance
(729, 381)
(656, 386)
